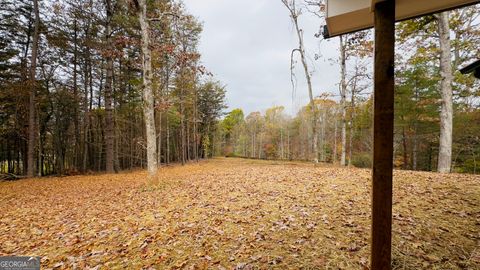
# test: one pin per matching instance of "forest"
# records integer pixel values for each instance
(120, 147)
(72, 94)
(72, 91)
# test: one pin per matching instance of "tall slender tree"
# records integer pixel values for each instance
(32, 131)
(148, 98)
(109, 129)
(294, 15)
(343, 98)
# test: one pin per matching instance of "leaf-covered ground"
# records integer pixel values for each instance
(238, 214)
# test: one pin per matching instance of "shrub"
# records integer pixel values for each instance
(362, 160)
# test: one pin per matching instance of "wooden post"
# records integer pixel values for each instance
(381, 248)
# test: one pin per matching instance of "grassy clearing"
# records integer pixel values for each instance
(242, 214)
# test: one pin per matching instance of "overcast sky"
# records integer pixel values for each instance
(246, 44)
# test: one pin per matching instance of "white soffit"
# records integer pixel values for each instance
(345, 16)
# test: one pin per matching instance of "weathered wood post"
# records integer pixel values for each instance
(384, 23)
(347, 16)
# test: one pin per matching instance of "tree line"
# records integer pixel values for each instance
(118, 84)
(437, 109)
(102, 86)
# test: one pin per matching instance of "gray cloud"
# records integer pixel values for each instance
(247, 46)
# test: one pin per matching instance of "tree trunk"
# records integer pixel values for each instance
(86, 120)
(322, 134)
(288, 145)
(41, 160)
(182, 128)
(352, 117)
(415, 148)
(109, 128)
(76, 124)
(167, 154)
(187, 140)
(334, 159)
(350, 143)
(148, 99)
(446, 114)
(281, 144)
(159, 139)
(167, 131)
(254, 140)
(343, 93)
(404, 144)
(33, 89)
(195, 132)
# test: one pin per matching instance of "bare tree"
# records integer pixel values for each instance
(354, 83)
(294, 14)
(343, 98)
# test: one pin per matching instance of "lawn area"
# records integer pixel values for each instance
(238, 214)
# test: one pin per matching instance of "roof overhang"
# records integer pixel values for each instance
(346, 16)
(472, 68)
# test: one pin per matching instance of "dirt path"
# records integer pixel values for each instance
(242, 214)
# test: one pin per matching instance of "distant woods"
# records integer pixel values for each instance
(437, 109)
(74, 80)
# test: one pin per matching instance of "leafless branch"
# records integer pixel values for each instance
(293, 78)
